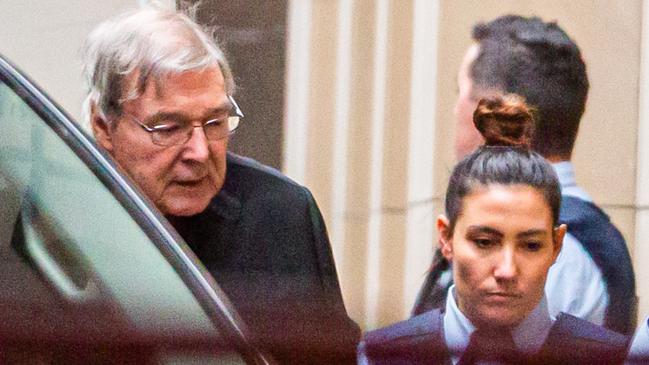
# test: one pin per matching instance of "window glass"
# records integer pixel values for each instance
(76, 268)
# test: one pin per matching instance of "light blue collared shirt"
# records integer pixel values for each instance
(528, 336)
(575, 284)
(566, 173)
(639, 351)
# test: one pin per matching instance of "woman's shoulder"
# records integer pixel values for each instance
(421, 334)
(578, 341)
(422, 325)
(569, 325)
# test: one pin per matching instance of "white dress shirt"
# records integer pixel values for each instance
(528, 336)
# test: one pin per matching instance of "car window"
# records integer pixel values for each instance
(80, 280)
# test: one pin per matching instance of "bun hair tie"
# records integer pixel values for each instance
(505, 121)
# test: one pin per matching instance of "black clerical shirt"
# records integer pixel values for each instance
(264, 241)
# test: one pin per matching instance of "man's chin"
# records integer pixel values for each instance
(183, 201)
(184, 208)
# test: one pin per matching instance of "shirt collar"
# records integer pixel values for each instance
(225, 205)
(565, 171)
(457, 328)
(531, 333)
(528, 336)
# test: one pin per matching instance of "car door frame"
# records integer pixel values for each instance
(198, 280)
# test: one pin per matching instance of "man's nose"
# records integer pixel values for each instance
(506, 267)
(197, 147)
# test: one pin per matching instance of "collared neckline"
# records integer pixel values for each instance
(529, 336)
(225, 205)
(565, 171)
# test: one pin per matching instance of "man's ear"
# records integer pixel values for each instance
(557, 235)
(101, 129)
(445, 237)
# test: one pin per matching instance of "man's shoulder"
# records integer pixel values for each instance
(245, 166)
(245, 176)
(577, 211)
(593, 229)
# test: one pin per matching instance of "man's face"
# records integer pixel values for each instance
(467, 137)
(181, 180)
(501, 248)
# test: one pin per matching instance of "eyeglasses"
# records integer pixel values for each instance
(170, 132)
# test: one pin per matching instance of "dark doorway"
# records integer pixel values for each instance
(253, 36)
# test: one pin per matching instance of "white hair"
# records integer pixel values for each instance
(151, 42)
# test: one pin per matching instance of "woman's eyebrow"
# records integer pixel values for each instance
(475, 229)
(532, 232)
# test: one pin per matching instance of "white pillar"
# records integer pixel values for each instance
(421, 220)
(363, 80)
(641, 249)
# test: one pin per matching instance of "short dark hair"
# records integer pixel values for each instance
(506, 123)
(538, 61)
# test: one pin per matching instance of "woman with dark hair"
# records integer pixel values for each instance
(501, 233)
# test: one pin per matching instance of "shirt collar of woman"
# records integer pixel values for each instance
(528, 336)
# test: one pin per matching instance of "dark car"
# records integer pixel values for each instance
(90, 272)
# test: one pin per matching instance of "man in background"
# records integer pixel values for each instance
(160, 102)
(593, 276)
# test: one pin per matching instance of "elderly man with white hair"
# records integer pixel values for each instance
(160, 102)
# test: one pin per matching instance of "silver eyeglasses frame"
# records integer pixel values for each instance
(232, 120)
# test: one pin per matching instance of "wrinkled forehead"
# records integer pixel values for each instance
(158, 82)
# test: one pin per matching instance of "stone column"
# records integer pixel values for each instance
(641, 251)
(359, 132)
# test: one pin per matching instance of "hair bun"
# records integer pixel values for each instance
(504, 121)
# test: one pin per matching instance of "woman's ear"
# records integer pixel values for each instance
(558, 234)
(445, 237)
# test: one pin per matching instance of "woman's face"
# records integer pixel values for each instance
(501, 248)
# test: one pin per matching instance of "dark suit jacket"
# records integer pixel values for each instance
(419, 340)
(264, 241)
(605, 244)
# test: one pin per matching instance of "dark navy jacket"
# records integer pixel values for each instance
(592, 227)
(264, 241)
(420, 340)
(603, 242)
